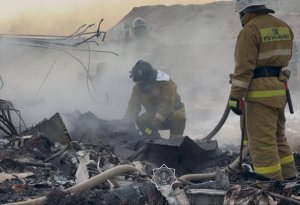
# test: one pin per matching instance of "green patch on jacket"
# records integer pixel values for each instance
(275, 34)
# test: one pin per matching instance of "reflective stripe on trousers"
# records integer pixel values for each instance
(287, 160)
(270, 152)
(276, 168)
(268, 170)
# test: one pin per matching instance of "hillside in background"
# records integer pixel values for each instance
(193, 23)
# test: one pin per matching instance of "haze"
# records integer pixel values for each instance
(65, 16)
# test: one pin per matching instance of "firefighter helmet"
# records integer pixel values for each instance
(139, 27)
(138, 22)
(143, 71)
(241, 5)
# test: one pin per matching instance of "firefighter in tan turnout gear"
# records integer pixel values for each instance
(263, 49)
(157, 93)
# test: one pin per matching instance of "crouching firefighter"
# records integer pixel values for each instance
(263, 49)
(157, 93)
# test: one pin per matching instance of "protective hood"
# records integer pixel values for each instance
(162, 76)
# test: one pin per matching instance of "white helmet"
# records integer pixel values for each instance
(138, 22)
(241, 5)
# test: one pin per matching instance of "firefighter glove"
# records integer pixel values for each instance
(148, 131)
(236, 105)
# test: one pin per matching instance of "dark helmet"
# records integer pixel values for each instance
(252, 6)
(241, 5)
(143, 71)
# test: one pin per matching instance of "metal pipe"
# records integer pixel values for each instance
(57, 154)
(198, 177)
(36, 164)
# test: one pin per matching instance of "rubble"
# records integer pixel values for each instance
(184, 154)
(246, 195)
(107, 162)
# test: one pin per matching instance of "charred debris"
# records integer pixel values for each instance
(81, 159)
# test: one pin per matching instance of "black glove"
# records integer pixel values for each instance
(236, 105)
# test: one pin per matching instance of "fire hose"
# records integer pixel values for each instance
(235, 164)
(219, 125)
(209, 176)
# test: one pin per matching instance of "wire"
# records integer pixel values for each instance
(82, 32)
(83, 66)
(86, 70)
(79, 61)
(57, 40)
(78, 30)
(41, 43)
(54, 62)
(38, 91)
(9, 125)
(6, 105)
(18, 113)
(105, 102)
(89, 79)
(70, 49)
(2, 83)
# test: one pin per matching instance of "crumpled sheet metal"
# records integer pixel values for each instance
(248, 196)
(182, 154)
(54, 129)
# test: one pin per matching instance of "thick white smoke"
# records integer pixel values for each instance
(193, 43)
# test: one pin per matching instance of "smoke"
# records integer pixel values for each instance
(66, 88)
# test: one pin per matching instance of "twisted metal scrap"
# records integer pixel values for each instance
(62, 44)
(75, 39)
(6, 122)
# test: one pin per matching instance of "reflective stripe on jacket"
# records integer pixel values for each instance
(265, 41)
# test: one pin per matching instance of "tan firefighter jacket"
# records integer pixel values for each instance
(162, 100)
(265, 41)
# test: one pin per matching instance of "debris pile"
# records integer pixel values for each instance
(85, 160)
(39, 168)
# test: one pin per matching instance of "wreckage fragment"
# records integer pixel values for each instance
(205, 196)
(247, 195)
(106, 146)
(143, 193)
(54, 129)
(7, 124)
(182, 154)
